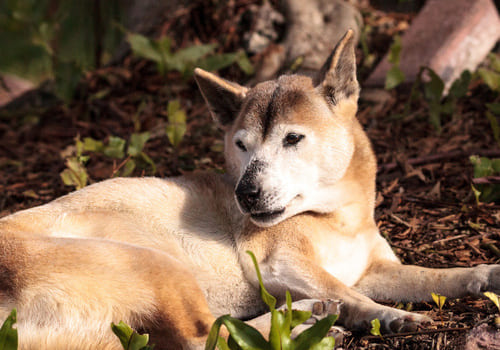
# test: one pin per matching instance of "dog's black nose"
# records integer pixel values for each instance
(247, 194)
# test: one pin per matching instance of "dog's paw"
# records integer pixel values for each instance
(486, 278)
(392, 320)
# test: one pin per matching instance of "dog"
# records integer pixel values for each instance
(167, 256)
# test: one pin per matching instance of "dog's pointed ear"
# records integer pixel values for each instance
(223, 98)
(337, 78)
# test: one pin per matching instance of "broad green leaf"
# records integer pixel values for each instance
(266, 297)
(375, 330)
(279, 335)
(184, 60)
(149, 161)
(439, 300)
(495, 164)
(195, 52)
(482, 166)
(213, 335)
(246, 336)
(435, 115)
(395, 51)
(8, 334)
(91, 145)
(494, 108)
(115, 147)
(144, 47)
(394, 77)
(136, 143)
(495, 128)
(460, 86)
(490, 78)
(433, 89)
(67, 76)
(176, 127)
(327, 343)
(494, 298)
(233, 345)
(216, 62)
(244, 63)
(222, 344)
(299, 317)
(75, 173)
(130, 339)
(315, 334)
(494, 61)
(128, 168)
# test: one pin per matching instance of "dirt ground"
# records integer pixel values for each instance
(425, 205)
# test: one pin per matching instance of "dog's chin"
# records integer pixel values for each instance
(268, 218)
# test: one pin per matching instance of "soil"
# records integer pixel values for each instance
(425, 206)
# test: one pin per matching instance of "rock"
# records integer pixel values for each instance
(447, 36)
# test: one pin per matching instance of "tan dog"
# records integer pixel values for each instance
(168, 255)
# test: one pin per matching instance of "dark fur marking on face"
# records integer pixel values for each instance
(271, 112)
(281, 100)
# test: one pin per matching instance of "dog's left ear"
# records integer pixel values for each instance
(224, 98)
(337, 78)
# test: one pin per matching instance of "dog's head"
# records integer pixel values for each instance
(287, 141)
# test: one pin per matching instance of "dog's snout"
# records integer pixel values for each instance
(248, 195)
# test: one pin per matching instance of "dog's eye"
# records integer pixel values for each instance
(241, 146)
(292, 139)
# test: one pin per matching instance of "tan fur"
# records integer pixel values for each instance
(167, 256)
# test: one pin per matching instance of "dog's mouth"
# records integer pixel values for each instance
(266, 216)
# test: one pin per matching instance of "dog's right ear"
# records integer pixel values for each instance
(223, 98)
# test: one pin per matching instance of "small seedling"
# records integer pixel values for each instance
(484, 167)
(75, 173)
(176, 127)
(495, 299)
(375, 330)
(439, 300)
(130, 339)
(395, 75)
(8, 334)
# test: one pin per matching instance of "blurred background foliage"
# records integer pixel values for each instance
(44, 39)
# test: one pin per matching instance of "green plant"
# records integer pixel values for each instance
(130, 339)
(491, 75)
(57, 39)
(484, 167)
(375, 330)
(492, 113)
(185, 60)
(131, 153)
(8, 334)
(439, 300)
(176, 127)
(395, 75)
(243, 336)
(75, 173)
(433, 90)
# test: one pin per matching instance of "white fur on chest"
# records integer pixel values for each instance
(346, 258)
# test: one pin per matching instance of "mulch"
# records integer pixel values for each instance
(425, 206)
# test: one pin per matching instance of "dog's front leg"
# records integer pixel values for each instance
(285, 270)
(389, 280)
